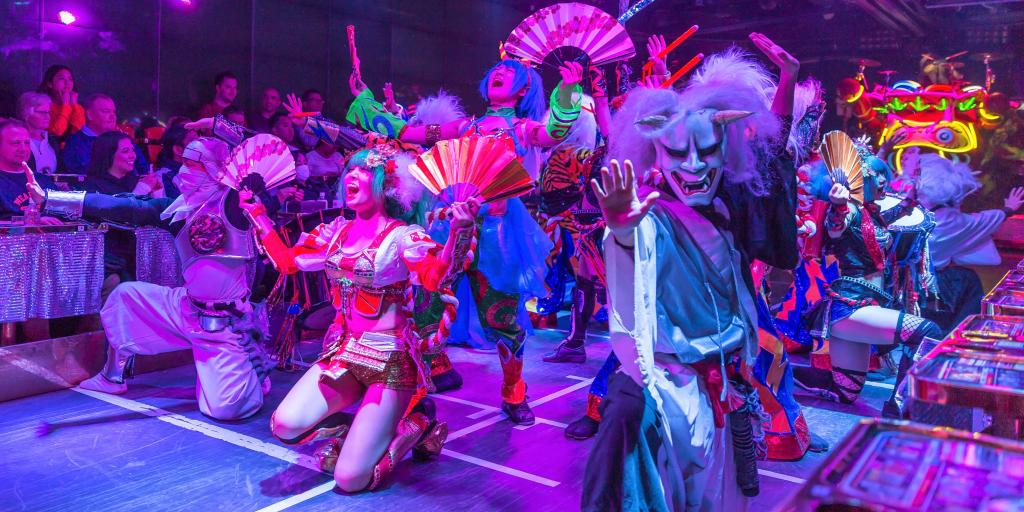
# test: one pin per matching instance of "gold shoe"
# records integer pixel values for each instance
(432, 442)
(327, 455)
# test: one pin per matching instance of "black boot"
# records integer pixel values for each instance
(912, 333)
(839, 385)
(571, 349)
(586, 427)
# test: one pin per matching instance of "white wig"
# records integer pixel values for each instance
(439, 109)
(943, 182)
(730, 80)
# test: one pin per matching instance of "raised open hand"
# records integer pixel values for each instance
(32, 186)
(292, 105)
(787, 64)
(1015, 200)
(656, 45)
(616, 195)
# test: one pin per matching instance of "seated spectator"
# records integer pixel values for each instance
(325, 166)
(67, 116)
(15, 149)
(235, 115)
(325, 161)
(270, 104)
(282, 127)
(170, 160)
(177, 121)
(100, 118)
(35, 109)
(111, 172)
(312, 101)
(111, 167)
(225, 92)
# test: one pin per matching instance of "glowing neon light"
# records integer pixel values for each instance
(967, 104)
(906, 85)
(66, 17)
(986, 115)
(860, 92)
(973, 88)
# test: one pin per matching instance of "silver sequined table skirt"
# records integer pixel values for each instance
(156, 259)
(50, 272)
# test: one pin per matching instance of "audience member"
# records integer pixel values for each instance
(100, 118)
(15, 149)
(225, 92)
(312, 101)
(111, 165)
(35, 109)
(170, 160)
(235, 115)
(110, 172)
(67, 116)
(270, 104)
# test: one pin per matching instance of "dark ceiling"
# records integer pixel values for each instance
(827, 34)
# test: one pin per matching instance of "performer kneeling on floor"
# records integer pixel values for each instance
(372, 352)
(211, 313)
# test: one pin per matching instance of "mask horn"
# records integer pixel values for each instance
(655, 122)
(725, 117)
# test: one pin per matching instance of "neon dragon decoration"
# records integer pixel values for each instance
(941, 118)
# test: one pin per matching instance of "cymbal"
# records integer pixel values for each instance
(868, 63)
(994, 56)
(886, 72)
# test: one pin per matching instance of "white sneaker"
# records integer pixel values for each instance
(100, 383)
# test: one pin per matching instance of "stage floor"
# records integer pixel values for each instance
(152, 450)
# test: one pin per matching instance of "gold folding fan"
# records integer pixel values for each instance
(844, 163)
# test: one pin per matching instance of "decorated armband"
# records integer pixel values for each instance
(229, 132)
(561, 118)
(66, 204)
(325, 129)
(368, 114)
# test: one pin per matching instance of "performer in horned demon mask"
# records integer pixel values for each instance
(717, 193)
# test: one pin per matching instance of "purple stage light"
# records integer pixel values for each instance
(66, 17)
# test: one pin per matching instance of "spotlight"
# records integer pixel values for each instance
(66, 17)
(186, 2)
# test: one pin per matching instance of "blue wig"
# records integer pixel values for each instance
(532, 105)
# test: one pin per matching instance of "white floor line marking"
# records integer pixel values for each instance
(214, 431)
(558, 394)
(483, 407)
(574, 377)
(533, 403)
(282, 453)
(780, 476)
(291, 501)
(882, 385)
(499, 468)
(542, 421)
(480, 414)
(476, 426)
